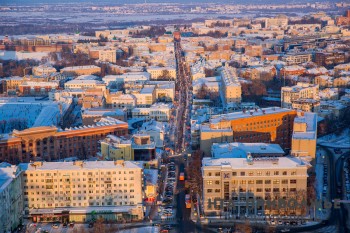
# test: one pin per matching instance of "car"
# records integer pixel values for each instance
(280, 222)
(91, 224)
(71, 224)
(45, 231)
(273, 222)
(65, 225)
(55, 226)
(167, 227)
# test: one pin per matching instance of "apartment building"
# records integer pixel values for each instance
(231, 87)
(297, 58)
(29, 88)
(50, 143)
(146, 96)
(80, 70)
(254, 50)
(82, 190)
(162, 72)
(279, 21)
(267, 125)
(251, 184)
(330, 59)
(158, 111)
(84, 84)
(11, 199)
(304, 135)
(43, 70)
(301, 91)
(108, 55)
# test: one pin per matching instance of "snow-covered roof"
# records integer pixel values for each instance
(258, 163)
(89, 165)
(241, 150)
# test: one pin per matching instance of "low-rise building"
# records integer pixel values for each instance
(299, 92)
(116, 148)
(80, 70)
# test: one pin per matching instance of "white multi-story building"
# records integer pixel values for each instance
(77, 191)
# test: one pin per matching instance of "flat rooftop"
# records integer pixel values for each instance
(88, 165)
(247, 114)
(241, 150)
(259, 163)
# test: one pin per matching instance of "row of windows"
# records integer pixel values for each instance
(258, 190)
(75, 198)
(78, 180)
(81, 204)
(78, 173)
(258, 173)
(210, 182)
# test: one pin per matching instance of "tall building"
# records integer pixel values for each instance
(82, 190)
(304, 135)
(267, 125)
(11, 199)
(231, 87)
(50, 143)
(251, 183)
(301, 91)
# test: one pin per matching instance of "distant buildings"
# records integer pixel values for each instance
(81, 70)
(344, 20)
(300, 94)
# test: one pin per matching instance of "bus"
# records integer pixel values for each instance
(188, 201)
(182, 176)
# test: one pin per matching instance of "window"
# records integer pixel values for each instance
(217, 173)
(267, 181)
(267, 173)
(209, 191)
(217, 182)
(250, 181)
(267, 189)
(276, 173)
(259, 182)
(276, 181)
(217, 190)
(234, 173)
(243, 181)
(284, 181)
(276, 189)
(259, 190)
(209, 182)
(293, 189)
(251, 174)
(293, 181)
(258, 173)
(242, 173)
(209, 173)
(284, 173)
(293, 173)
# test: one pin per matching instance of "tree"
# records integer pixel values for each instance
(202, 92)
(209, 72)
(99, 227)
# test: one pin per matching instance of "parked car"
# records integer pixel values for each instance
(55, 225)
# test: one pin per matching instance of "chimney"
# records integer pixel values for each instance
(119, 162)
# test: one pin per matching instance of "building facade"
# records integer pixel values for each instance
(251, 184)
(81, 191)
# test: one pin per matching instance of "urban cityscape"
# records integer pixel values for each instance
(152, 116)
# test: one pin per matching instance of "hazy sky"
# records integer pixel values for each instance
(27, 2)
